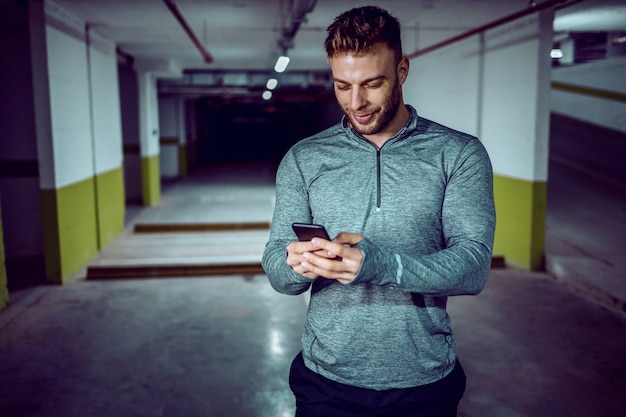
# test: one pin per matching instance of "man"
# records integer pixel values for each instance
(411, 205)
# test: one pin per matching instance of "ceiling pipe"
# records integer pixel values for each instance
(206, 56)
(298, 16)
(532, 8)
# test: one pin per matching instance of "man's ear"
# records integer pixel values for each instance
(403, 69)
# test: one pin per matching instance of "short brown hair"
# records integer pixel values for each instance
(362, 29)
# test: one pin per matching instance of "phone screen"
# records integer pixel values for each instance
(306, 231)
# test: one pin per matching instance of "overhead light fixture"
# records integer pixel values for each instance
(556, 53)
(271, 83)
(618, 40)
(267, 95)
(281, 63)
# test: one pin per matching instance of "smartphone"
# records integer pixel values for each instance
(306, 231)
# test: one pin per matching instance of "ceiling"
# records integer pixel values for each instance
(245, 35)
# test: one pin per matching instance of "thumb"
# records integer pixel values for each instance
(345, 238)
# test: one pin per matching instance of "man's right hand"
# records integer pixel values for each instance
(295, 257)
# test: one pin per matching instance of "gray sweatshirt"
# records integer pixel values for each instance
(424, 203)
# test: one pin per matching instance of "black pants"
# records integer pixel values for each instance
(317, 396)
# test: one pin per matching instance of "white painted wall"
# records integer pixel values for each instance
(169, 117)
(497, 91)
(70, 108)
(105, 99)
(84, 99)
(444, 86)
(604, 75)
(148, 114)
(515, 115)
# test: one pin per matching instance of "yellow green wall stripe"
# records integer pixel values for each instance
(70, 229)
(110, 198)
(150, 179)
(589, 91)
(80, 219)
(521, 213)
(4, 291)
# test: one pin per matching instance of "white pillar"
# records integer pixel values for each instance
(149, 138)
(148, 71)
(496, 86)
(515, 130)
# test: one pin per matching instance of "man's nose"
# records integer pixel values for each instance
(357, 98)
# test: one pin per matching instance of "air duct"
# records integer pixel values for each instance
(298, 12)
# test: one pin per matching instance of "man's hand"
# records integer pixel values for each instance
(335, 259)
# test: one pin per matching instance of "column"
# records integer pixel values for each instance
(106, 138)
(79, 143)
(496, 86)
(171, 139)
(22, 261)
(515, 120)
(4, 290)
(148, 71)
(149, 139)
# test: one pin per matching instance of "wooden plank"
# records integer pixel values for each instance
(138, 271)
(198, 227)
(102, 272)
(497, 261)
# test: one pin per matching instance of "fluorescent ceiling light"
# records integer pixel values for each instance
(618, 40)
(271, 83)
(556, 53)
(267, 95)
(281, 63)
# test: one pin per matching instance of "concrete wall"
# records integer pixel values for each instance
(496, 86)
(107, 138)
(19, 165)
(170, 136)
(19, 176)
(149, 137)
(129, 107)
(4, 290)
(68, 128)
(594, 92)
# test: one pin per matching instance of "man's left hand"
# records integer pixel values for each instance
(347, 261)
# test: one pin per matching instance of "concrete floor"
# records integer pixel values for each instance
(222, 345)
(586, 216)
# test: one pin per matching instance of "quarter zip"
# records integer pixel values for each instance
(378, 180)
(378, 158)
(378, 171)
(379, 197)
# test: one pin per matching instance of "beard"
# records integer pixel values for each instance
(383, 116)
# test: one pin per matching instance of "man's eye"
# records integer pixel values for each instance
(374, 85)
(343, 87)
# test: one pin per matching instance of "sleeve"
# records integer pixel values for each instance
(292, 205)
(468, 224)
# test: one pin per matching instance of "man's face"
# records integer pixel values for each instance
(368, 88)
